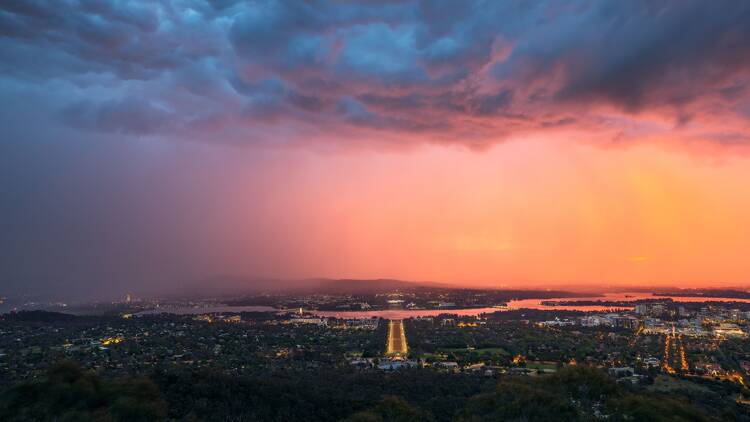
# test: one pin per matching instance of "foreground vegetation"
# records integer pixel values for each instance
(574, 393)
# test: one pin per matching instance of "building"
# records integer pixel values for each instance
(315, 321)
(625, 322)
(448, 366)
(652, 362)
(619, 372)
(595, 321)
(728, 330)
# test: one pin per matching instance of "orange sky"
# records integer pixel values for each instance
(527, 212)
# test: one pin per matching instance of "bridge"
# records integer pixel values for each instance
(396, 338)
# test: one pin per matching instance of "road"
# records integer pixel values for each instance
(396, 338)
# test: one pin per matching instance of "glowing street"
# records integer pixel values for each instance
(397, 338)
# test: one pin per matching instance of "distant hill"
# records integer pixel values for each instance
(710, 293)
(37, 316)
(223, 286)
(233, 285)
(359, 286)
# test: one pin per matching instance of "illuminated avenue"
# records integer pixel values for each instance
(397, 338)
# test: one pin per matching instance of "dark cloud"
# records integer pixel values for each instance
(670, 53)
(491, 104)
(481, 67)
(128, 116)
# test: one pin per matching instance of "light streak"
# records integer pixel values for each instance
(396, 330)
(667, 347)
(683, 360)
(112, 340)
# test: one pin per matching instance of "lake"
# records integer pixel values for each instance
(411, 313)
(525, 304)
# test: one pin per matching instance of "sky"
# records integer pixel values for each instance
(152, 144)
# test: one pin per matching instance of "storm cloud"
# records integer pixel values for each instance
(408, 71)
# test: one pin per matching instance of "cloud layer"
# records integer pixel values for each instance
(396, 72)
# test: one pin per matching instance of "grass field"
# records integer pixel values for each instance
(665, 384)
(547, 366)
(489, 352)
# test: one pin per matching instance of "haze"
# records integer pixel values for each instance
(149, 145)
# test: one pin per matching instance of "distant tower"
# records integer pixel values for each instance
(128, 298)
